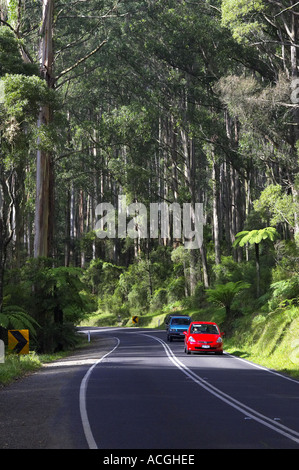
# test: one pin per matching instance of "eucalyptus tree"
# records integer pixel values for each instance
(171, 51)
(270, 26)
(80, 32)
(22, 92)
(158, 101)
(271, 111)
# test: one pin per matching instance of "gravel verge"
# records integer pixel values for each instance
(41, 410)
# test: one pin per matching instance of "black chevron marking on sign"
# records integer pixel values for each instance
(21, 341)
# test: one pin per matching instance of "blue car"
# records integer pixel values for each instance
(176, 327)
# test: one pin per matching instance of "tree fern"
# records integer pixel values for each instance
(224, 294)
(254, 237)
(15, 317)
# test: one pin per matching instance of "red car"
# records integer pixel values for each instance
(203, 336)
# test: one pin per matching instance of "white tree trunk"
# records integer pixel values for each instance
(44, 188)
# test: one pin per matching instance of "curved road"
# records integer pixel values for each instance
(147, 394)
(132, 390)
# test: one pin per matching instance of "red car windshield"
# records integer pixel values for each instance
(206, 329)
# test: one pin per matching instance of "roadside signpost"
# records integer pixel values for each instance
(18, 341)
(2, 351)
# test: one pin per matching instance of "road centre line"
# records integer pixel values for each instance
(82, 400)
(247, 411)
(244, 409)
(258, 366)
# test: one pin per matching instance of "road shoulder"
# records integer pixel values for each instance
(41, 410)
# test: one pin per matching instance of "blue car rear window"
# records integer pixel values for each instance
(180, 321)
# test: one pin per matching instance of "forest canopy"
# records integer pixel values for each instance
(161, 102)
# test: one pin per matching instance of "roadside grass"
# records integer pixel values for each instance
(268, 339)
(17, 366)
(101, 319)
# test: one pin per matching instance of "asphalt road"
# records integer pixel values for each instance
(133, 390)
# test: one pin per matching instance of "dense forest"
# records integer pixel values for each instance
(151, 102)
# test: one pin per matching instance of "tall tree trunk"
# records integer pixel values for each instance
(81, 227)
(2, 239)
(295, 75)
(67, 242)
(216, 225)
(295, 194)
(44, 167)
(6, 229)
(257, 265)
(19, 208)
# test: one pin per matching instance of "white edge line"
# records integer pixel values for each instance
(263, 368)
(82, 401)
(227, 398)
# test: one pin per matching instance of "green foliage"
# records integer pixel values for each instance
(255, 236)
(126, 124)
(276, 206)
(227, 270)
(25, 95)
(224, 294)
(92, 275)
(54, 337)
(21, 97)
(143, 117)
(148, 283)
(55, 298)
(287, 260)
(15, 317)
(284, 293)
(10, 58)
(242, 17)
(53, 289)
(176, 289)
(159, 299)
(15, 367)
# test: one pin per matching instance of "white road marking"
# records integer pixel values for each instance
(263, 368)
(246, 410)
(82, 401)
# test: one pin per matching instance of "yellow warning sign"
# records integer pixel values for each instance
(18, 341)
